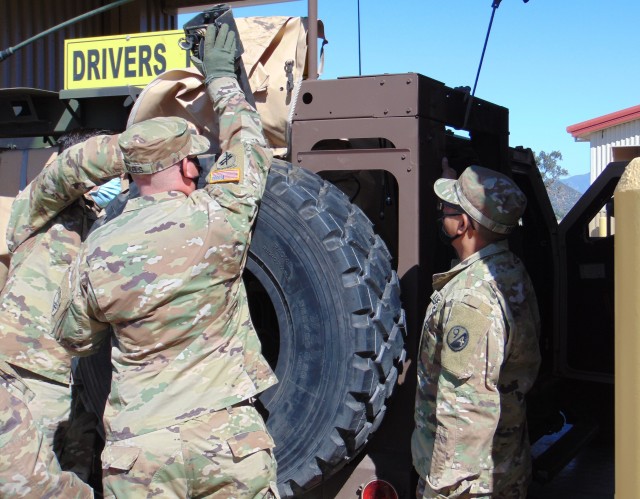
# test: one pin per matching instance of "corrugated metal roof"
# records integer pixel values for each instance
(40, 64)
(584, 129)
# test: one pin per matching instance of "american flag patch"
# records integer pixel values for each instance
(228, 175)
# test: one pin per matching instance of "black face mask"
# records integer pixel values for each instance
(444, 237)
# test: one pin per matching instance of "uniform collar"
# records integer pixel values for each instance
(144, 201)
(439, 280)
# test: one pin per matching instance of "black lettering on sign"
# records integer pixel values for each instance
(78, 65)
(133, 61)
(93, 58)
(144, 56)
(129, 61)
(158, 54)
(115, 61)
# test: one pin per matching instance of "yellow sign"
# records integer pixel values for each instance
(120, 60)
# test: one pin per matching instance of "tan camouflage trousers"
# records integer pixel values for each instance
(50, 407)
(221, 455)
(28, 467)
(72, 441)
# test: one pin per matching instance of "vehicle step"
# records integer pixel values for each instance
(562, 450)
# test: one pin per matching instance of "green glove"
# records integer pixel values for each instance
(219, 53)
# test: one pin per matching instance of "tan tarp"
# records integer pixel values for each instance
(178, 92)
(269, 43)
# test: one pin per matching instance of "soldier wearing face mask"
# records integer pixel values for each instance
(48, 221)
(479, 352)
(107, 192)
(166, 277)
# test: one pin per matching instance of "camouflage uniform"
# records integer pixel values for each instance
(478, 357)
(167, 275)
(28, 467)
(48, 220)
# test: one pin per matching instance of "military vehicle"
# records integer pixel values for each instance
(339, 271)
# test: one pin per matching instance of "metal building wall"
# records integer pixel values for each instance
(603, 142)
(40, 64)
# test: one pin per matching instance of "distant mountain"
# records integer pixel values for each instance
(562, 198)
(578, 182)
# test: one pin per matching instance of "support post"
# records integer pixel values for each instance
(312, 10)
(627, 333)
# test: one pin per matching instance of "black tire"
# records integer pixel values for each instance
(338, 336)
(326, 303)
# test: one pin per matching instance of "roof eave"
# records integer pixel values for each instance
(586, 128)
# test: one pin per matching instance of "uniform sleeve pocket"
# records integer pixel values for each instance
(119, 457)
(245, 444)
(464, 337)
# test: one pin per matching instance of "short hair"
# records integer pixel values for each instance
(486, 234)
(77, 135)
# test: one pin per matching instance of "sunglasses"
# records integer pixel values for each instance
(445, 215)
(440, 207)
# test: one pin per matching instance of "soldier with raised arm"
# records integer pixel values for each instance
(167, 276)
(48, 221)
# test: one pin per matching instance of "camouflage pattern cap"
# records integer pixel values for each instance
(489, 197)
(155, 144)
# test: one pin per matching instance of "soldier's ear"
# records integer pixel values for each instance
(466, 222)
(189, 169)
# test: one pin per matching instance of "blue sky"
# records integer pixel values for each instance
(552, 63)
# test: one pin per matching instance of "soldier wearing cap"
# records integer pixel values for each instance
(48, 221)
(166, 275)
(479, 352)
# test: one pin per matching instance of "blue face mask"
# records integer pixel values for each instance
(107, 192)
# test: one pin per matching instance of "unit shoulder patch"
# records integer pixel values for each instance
(226, 160)
(458, 338)
(228, 168)
(464, 335)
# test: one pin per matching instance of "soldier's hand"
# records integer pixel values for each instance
(219, 53)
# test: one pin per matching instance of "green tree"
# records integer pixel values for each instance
(562, 197)
(549, 167)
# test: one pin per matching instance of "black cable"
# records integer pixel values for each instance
(11, 50)
(359, 51)
(494, 6)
